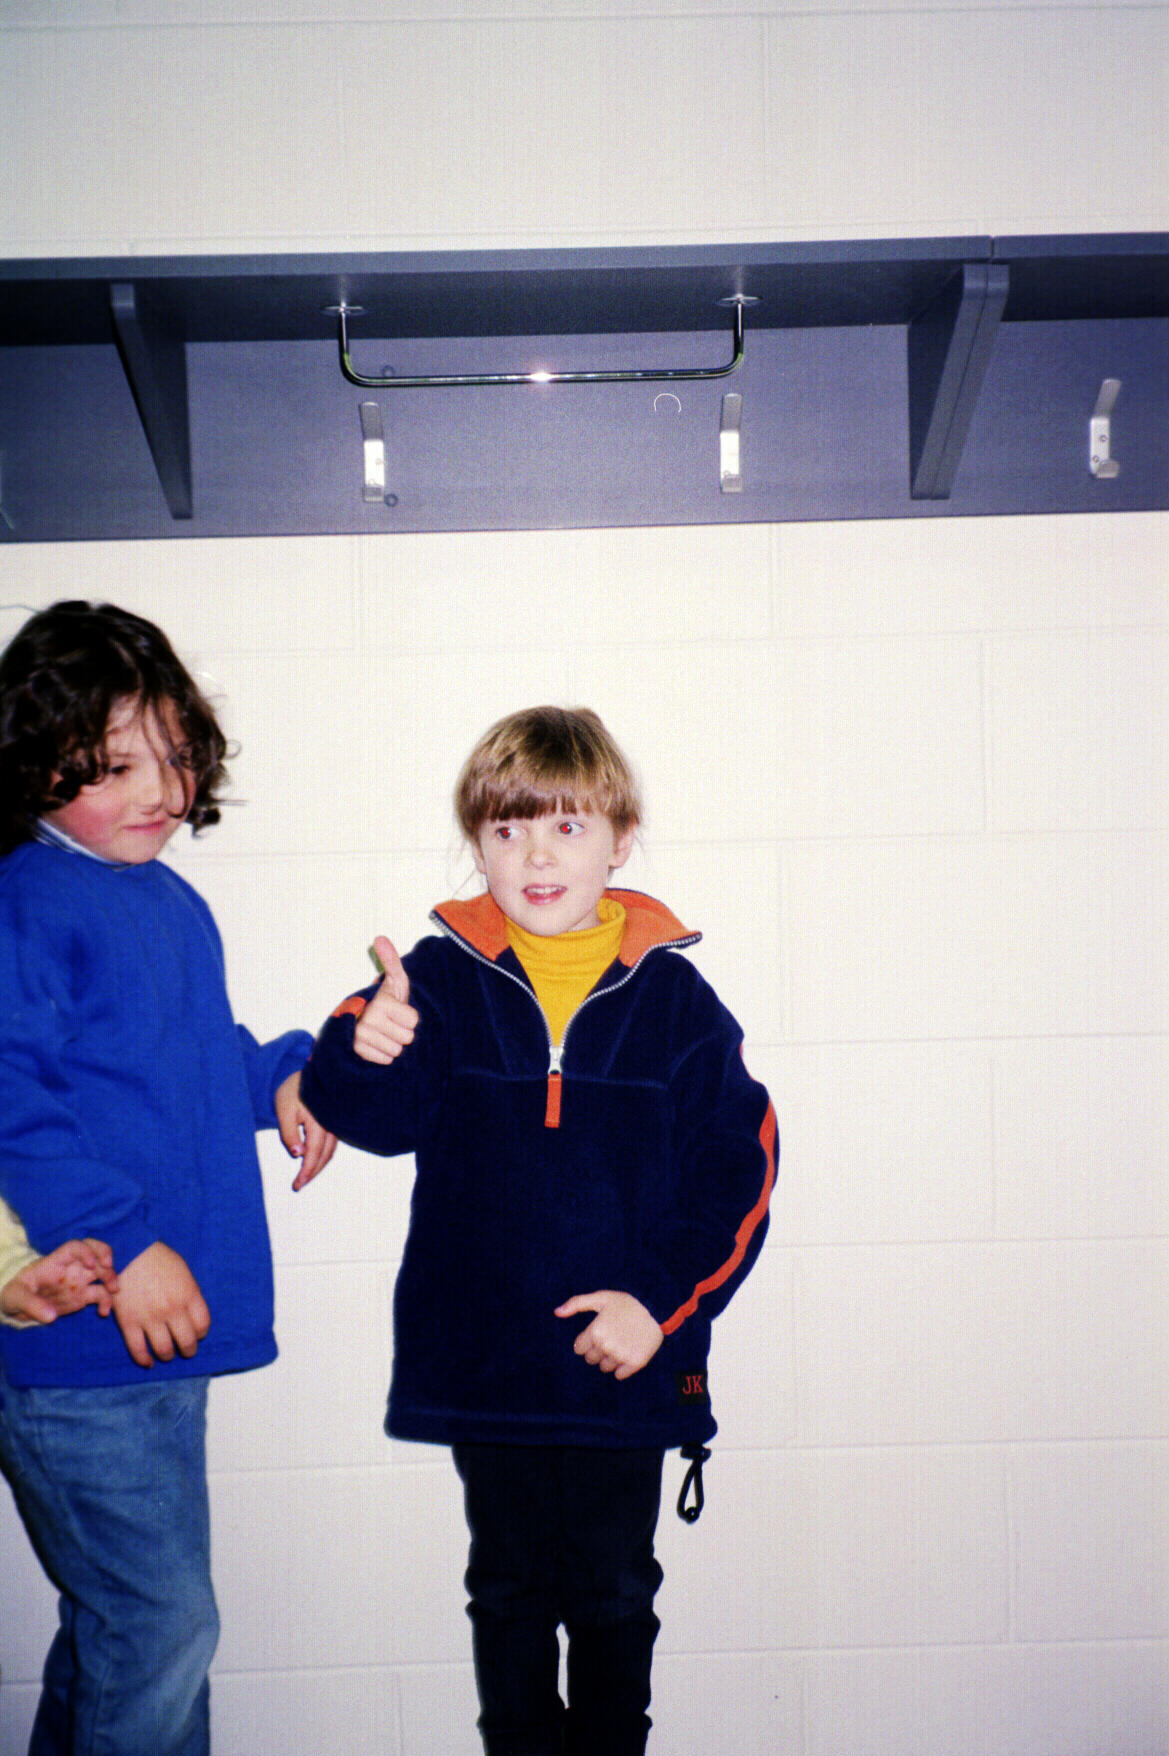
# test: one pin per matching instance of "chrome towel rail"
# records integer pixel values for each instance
(471, 380)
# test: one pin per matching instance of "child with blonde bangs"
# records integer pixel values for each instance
(593, 1170)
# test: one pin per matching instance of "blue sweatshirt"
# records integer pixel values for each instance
(129, 1100)
(638, 1157)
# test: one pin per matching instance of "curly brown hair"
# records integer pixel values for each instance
(61, 676)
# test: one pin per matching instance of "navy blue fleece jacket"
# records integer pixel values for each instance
(644, 1164)
(129, 1100)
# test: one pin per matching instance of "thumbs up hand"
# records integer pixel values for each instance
(387, 1025)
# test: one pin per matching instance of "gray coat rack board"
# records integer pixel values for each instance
(253, 396)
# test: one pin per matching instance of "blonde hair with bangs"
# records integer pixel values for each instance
(541, 760)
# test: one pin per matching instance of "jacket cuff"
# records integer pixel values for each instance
(273, 1064)
(127, 1240)
(655, 1289)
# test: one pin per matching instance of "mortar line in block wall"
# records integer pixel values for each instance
(1008, 1446)
(1011, 1545)
(805, 1729)
(407, 1667)
(953, 838)
(958, 1241)
(992, 1137)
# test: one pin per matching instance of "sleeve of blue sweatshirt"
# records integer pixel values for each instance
(51, 1167)
(268, 1065)
(724, 1149)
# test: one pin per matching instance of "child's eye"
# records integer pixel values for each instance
(569, 828)
(504, 832)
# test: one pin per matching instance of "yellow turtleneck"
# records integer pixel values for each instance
(566, 967)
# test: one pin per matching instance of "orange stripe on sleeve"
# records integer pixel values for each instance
(354, 1004)
(743, 1236)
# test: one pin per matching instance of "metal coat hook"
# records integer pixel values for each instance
(465, 380)
(1100, 459)
(373, 440)
(730, 460)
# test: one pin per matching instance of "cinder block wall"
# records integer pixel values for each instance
(909, 779)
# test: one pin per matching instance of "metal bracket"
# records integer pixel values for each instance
(150, 342)
(730, 461)
(464, 380)
(949, 348)
(5, 515)
(1100, 459)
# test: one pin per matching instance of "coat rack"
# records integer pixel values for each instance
(883, 379)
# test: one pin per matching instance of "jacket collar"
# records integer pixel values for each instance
(482, 925)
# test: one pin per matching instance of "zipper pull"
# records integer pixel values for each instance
(555, 1083)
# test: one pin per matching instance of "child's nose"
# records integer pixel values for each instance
(176, 789)
(166, 788)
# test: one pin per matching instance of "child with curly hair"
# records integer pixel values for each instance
(129, 1100)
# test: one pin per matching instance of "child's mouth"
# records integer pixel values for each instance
(543, 892)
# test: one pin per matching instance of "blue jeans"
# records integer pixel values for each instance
(111, 1483)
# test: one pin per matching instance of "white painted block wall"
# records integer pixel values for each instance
(909, 778)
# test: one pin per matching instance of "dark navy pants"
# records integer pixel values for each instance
(562, 1535)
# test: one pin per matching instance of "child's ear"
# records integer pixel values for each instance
(623, 847)
(477, 855)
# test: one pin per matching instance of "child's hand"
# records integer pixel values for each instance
(622, 1337)
(70, 1277)
(158, 1307)
(301, 1133)
(387, 1025)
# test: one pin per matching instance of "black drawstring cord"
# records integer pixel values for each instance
(696, 1456)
